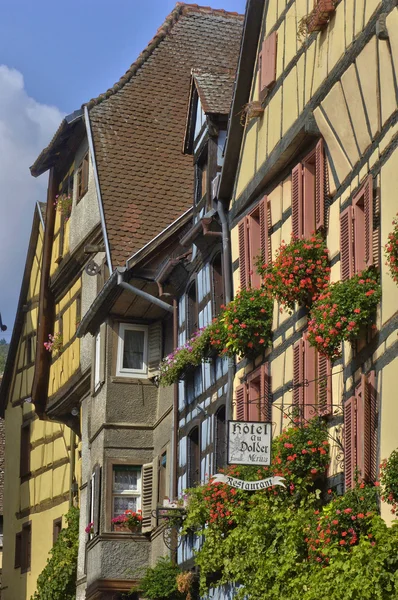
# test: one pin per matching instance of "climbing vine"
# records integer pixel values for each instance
(57, 581)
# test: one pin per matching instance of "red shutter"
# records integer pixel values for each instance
(298, 374)
(324, 385)
(241, 402)
(346, 244)
(297, 201)
(310, 384)
(368, 210)
(268, 62)
(266, 402)
(243, 253)
(319, 185)
(362, 430)
(265, 226)
(253, 247)
(349, 442)
(373, 420)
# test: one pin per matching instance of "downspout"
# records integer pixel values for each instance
(141, 293)
(227, 273)
(72, 466)
(175, 407)
(97, 188)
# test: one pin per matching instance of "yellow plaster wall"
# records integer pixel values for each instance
(67, 362)
(44, 495)
(297, 84)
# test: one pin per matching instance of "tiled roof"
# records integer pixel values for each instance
(138, 125)
(215, 89)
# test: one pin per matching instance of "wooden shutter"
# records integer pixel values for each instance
(367, 427)
(266, 401)
(89, 499)
(254, 247)
(346, 244)
(18, 550)
(267, 63)
(368, 210)
(97, 499)
(243, 253)
(154, 348)
(265, 227)
(102, 364)
(349, 442)
(298, 374)
(241, 402)
(310, 383)
(147, 493)
(297, 201)
(319, 185)
(324, 385)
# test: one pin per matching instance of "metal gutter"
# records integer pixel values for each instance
(142, 294)
(98, 188)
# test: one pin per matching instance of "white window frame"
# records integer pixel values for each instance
(122, 371)
(97, 362)
(127, 493)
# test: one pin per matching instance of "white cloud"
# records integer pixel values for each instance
(26, 127)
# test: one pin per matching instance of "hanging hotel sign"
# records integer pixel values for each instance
(248, 486)
(249, 443)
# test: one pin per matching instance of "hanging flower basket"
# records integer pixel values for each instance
(391, 250)
(299, 273)
(251, 110)
(177, 365)
(341, 311)
(244, 326)
(55, 343)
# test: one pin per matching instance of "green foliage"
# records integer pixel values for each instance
(389, 481)
(299, 272)
(342, 310)
(3, 354)
(160, 581)
(186, 357)
(244, 326)
(274, 543)
(57, 581)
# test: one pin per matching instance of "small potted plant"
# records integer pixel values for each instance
(55, 343)
(63, 203)
(128, 520)
(391, 250)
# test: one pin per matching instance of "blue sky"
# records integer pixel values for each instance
(54, 56)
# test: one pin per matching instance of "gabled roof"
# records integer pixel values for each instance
(139, 124)
(214, 89)
(20, 315)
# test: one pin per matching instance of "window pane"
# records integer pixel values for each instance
(133, 349)
(125, 480)
(123, 503)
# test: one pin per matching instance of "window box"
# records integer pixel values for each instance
(132, 357)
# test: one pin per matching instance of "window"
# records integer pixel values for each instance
(97, 363)
(253, 401)
(82, 178)
(162, 488)
(308, 193)
(356, 232)
(312, 384)
(126, 489)
(201, 179)
(24, 464)
(218, 284)
(26, 546)
(220, 439)
(267, 65)
(192, 310)
(193, 458)
(360, 431)
(254, 240)
(57, 528)
(29, 350)
(17, 556)
(132, 350)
